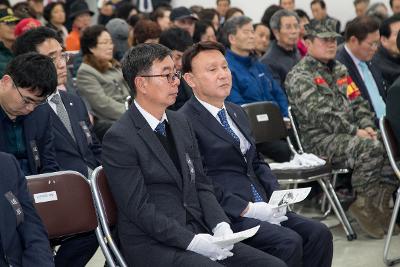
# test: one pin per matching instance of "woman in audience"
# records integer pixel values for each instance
(161, 16)
(233, 12)
(100, 79)
(146, 31)
(210, 15)
(262, 36)
(204, 31)
(54, 14)
(304, 20)
(268, 13)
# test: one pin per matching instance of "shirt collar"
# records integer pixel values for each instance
(151, 120)
(212, 109)
(50, 97)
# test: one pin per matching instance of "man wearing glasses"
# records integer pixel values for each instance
(76, 145)
(7, 36)
(25, 128)
(168, 214)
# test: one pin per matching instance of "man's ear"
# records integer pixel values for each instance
(189, 78)
(231, 39)
(307, 42)
(140, 85)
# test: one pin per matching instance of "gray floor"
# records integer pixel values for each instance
(363, 252)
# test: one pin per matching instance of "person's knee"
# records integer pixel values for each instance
(321, 235)
(293, 245)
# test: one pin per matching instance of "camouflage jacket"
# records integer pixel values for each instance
(325, 101)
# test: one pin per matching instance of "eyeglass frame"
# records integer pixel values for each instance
(170, 76)
(28, 101)
(64, 56)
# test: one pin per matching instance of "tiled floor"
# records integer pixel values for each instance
(363, 252)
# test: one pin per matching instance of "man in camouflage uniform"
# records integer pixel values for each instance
(336, 123)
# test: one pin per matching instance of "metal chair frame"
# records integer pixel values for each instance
(390, 147)
(103, 233)
(322, 179)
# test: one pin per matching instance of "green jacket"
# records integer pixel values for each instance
(5, 57)
(326, 102)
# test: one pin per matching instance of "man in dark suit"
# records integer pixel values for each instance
(25, 128)
(242, 181)
(362, 41)
(75, 143)
(23, 238)
(167, 210)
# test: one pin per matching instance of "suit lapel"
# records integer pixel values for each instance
(211, 123)
(150, 138)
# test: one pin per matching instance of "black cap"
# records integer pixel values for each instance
(181, 13)
(79, 7)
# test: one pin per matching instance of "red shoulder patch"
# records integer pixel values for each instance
(319, 80)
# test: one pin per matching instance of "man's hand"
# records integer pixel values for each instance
(203, 245)
(372, 133)
(363, 134)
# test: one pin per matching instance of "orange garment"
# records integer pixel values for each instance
(72, 42)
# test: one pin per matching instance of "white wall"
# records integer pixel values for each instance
(340, 9)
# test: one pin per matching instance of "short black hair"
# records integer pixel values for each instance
(123, 9)
(208, 14)
(194, 50)
(320, 2)
(89, 38)
(139, 60)
(5, 3)
(384, 29)
(200, 28)
(30, 39)
(33, 71)
(176, 39)
(49, 8)
(360, 27)
(229, 1)
(268, 13)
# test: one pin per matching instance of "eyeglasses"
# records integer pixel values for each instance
(64, 56)
(29, 101)
(171, 77)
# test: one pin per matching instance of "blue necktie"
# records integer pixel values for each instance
(160, 129)
(222, 116)
(373, 91)
(225, 124)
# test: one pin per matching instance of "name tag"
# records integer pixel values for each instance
(191, 168)
(86, 131)
(45, 197)
(36, 155)
(19, 213)
(262, 117)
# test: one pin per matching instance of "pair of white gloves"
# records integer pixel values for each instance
(204, 243)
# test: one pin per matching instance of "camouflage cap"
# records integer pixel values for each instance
(322, 29)
(7, 15)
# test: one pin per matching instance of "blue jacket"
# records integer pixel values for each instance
(253, 82)
(23, 238)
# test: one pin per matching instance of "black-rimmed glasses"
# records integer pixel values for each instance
(29, 101)
(171, 77)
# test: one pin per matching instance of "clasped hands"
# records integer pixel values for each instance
(204, 243)
(368, 133)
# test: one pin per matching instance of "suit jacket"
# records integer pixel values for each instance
(39, 140)
(230, 171)
(23, 237)
(393, 108)
(86, 150)
(159, 209)
(345, 58)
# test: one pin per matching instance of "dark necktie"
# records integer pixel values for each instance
(145, 4)
(160, 129)
(62, 114)
(222, 116)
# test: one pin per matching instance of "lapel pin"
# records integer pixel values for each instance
(71, 104)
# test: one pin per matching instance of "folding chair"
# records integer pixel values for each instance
(267, 125)
(336, 168)
(64, 203)
(107, 216)
(392, 150)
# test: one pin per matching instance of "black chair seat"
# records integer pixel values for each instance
(305, 173)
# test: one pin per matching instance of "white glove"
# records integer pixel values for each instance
(202, 244)
(265, 212)
(221, 230)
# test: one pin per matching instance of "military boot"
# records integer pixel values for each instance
(367, 215)
(385, 194)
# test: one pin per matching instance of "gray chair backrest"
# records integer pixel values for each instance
(266, 121)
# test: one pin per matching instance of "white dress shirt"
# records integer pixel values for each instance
(244, 144)
(151, 120)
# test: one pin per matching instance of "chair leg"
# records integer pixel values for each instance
(104, 248)
(337, 208)
(386, 260)
(328, 210)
